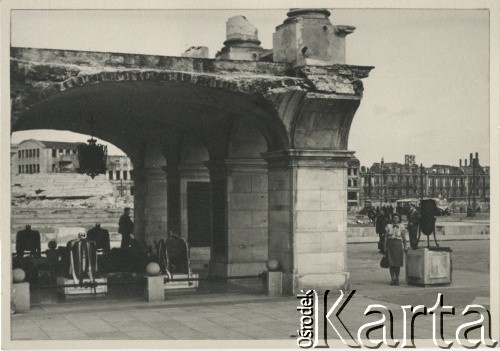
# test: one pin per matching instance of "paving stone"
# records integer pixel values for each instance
(98, 325)
(68, 335)
(115, 316)
(186, 334)
(113, 335)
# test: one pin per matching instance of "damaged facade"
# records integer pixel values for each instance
(263, 132)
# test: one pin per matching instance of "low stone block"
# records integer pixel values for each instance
(274, 283)
(425, 267)
(155, 290)
(22, 297)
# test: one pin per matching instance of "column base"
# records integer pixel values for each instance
(222, 269)
(293, 283)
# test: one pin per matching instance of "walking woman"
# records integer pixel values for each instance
(394, 244)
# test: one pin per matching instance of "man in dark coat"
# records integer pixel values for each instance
(126, 228)
(100, 236)
(413, 217)
(28, 240)
(381, 221)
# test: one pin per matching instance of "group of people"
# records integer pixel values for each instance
(392, 237)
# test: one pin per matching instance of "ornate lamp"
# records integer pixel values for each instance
(92, 157)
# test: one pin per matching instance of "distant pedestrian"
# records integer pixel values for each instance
(381, 222)
(126, 228)
(395, 243)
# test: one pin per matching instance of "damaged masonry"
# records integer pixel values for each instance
(264, 132)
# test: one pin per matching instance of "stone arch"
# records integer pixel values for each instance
(246, 141)
(83, 91)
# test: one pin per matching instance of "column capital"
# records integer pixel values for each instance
(308, 158)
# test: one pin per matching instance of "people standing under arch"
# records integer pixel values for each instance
(126, 228)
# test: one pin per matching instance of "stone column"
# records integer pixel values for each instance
(308, 217)
(173, 198)
(150, 203)
(239, 227)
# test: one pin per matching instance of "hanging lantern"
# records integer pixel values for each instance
(92, 158)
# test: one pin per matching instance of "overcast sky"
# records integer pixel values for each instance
(427, 96)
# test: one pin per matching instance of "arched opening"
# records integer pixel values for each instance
(175, 133)
(49, 194)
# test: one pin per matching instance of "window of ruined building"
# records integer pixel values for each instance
(355, 170)
(37, 168)
(125, 175)
(348, 170)
(54, 152)
(348, 182)
(110, 175)
(19, 154)
(20, 168)
(355, 182)
(118, 175)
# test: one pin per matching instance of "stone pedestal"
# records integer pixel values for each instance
(308, 218)
(307, 37)
(173, 285)
(21, 296)
(428, 267)
(273, 284)
(81, 291)
(155, 290)
(240, 233)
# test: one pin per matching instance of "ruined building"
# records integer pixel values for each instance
(261, 132)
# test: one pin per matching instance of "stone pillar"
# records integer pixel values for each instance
(173, 198)
(239, 200)
(308, 217)
(150, 204)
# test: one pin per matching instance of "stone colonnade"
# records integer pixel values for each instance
(289, 206)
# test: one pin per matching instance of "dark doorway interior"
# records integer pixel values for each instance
(199, 207)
